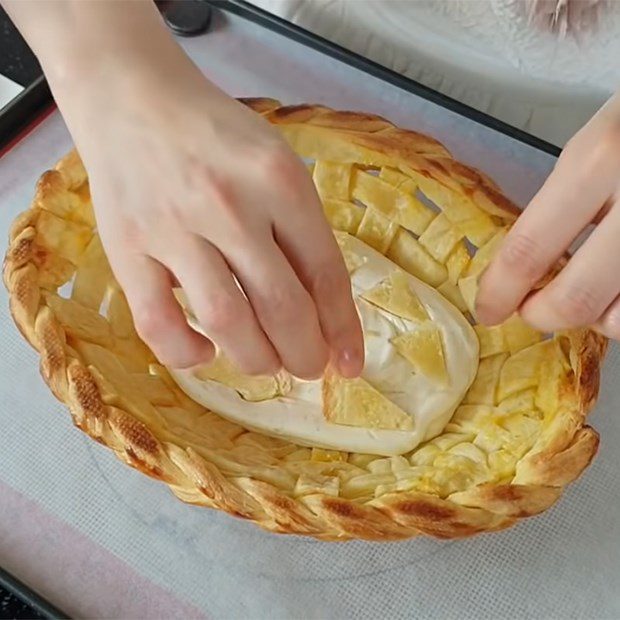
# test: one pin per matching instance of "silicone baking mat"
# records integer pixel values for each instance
(100, 540)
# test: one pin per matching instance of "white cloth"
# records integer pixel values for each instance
(481, 52)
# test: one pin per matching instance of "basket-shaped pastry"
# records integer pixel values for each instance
(518, 433)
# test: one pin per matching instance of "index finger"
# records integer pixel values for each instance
(558, 213)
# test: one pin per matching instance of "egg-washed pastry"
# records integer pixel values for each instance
(453, 428)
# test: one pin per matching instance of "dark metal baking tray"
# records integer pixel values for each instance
(33, 605)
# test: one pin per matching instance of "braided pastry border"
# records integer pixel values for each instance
(540, 475)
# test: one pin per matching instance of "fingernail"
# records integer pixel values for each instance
(350, 363)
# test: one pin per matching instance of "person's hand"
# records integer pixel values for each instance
(190, 186)
(583, 188)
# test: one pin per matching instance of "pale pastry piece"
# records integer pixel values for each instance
(519, 335)
(519, 402)
(80, 321)
(343, 215)
(352, 260)
(251, 388)
(332, 179)
(423, 349)
(511, 336)
(327, 456)
(522, 370)
(476, 225)
(492, 340)
(378, 194)
(394, 294)
(483, 389)
(393, 177)
(407, 252)
(453, 294)
(354, 402)
(469, 289)
(457, 262)
(485, 253)
(440, 238)
(310, 484)
(553, 371)
(377, 230)
(468, 284)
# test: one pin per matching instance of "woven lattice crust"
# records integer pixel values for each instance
(518, 439)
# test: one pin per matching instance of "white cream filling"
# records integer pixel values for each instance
(298, 416)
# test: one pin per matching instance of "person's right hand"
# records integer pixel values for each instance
(190, 186)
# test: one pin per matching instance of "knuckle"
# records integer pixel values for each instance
(284, 305)
(328, 282)
(221, 189)
(152, 320)
(132, 234)
(276, 155)
(279, 163)
(221, 192)
(521, 254)
(174, 211)
(222, 313)
(577, 305)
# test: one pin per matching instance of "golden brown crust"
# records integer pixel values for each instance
(512, 500)
(439, 517)
(397, 144)
(99, 368)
